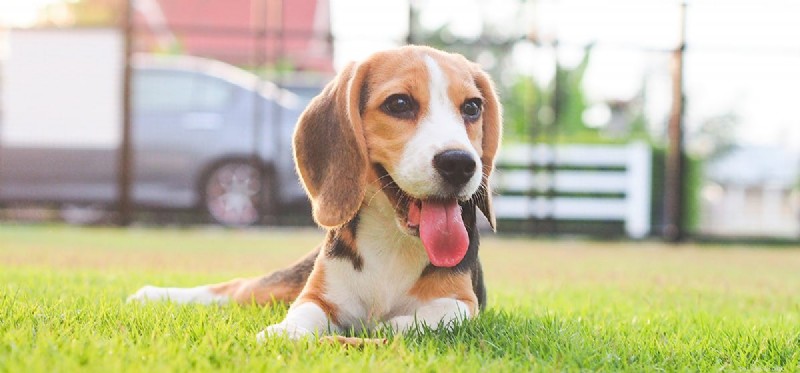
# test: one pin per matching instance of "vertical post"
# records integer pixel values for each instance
(550, 223)
(639, 176)
(410, 35)
(675, 165)
(260, 46)
(278, 155)
(125, 156)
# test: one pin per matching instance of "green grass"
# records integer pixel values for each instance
(554, 305)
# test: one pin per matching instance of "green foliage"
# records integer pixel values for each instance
(692, 188)
(521, 105)
(639, 128)
(569, 101)
(554, 113)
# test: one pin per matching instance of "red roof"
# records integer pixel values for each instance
(228, 30)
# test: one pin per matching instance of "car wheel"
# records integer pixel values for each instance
(237, 194)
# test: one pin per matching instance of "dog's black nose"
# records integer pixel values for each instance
(455, 166)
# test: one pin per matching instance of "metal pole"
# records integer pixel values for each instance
(550, 223)
(675, 161)
(125, 157)
(410, 35)
(277, 114)
(260, 45)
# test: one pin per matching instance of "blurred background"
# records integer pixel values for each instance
(640, 119)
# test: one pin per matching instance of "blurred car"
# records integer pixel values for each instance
(204, 134)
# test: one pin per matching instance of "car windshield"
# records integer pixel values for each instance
(166, 90)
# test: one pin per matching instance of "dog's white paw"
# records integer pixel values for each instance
(401, 323)
(148, 294)
(283, 330)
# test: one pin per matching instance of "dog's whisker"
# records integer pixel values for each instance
(378, 179)
(369, 202)
(400, 201)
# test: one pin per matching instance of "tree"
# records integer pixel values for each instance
(569, 100)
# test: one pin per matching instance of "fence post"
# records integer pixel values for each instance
(125, 157)
(673, 197)
(637, 221)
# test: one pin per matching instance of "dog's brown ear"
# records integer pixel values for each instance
(492, 130)
(330, 150)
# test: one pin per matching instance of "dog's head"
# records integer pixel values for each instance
(418, 124)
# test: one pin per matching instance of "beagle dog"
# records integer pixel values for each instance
(395, 155)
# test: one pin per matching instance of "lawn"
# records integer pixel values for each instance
(554, 305)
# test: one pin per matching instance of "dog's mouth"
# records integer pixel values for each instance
(436, 221)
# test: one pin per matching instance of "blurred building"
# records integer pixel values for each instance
(752, 191)
(240, 32)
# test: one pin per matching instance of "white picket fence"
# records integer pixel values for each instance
(629, 176)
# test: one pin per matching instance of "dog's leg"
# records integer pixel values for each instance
(435, 313)
(198, 294)
(303, 320)
(312, 313)
(445, 298)
(280, 286)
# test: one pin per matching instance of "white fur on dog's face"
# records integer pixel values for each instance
(439, 85)
(442, 128)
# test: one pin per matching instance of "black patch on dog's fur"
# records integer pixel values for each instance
(296, 275)
(339, 246)
(363, 97)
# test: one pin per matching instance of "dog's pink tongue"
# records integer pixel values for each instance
(443, 233)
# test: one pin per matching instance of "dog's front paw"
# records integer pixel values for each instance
(283, 330)
(148, 294)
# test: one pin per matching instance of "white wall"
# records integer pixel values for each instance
(62, 88)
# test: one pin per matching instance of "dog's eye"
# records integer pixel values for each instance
(471, 109)
(400, 106)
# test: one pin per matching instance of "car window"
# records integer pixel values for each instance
(175, 91)
(212, 93)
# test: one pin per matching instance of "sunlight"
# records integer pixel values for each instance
(22, 13)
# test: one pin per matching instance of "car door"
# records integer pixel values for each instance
(180, 120)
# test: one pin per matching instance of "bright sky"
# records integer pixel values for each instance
(743, 55)
(21, 12)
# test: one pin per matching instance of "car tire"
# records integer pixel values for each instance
(238, 193)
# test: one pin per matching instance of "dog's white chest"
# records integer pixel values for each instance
(392, 264)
